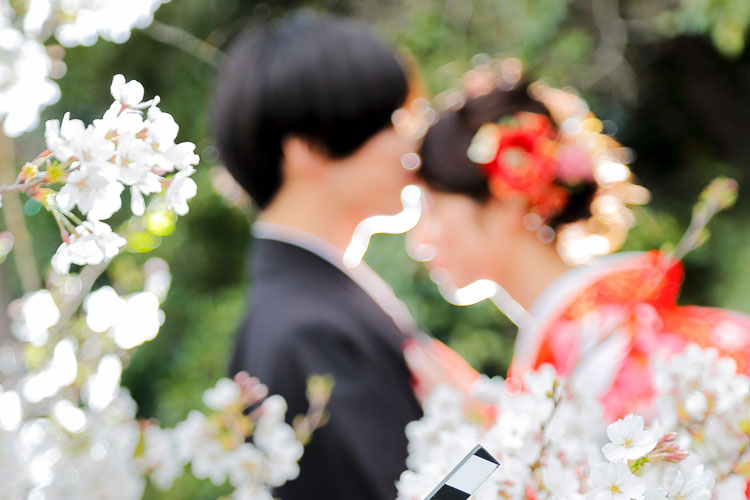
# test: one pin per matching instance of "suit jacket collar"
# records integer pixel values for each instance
(276, 260)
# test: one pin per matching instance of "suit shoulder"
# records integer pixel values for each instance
(283, 310)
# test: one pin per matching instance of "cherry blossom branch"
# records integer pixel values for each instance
(21, 186)
(556, 397)
(89, 275)
(319, 388)
(719, 195)
(736, 462)
(186, 42)
(610, 53)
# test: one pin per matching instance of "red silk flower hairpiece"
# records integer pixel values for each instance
(522, 156)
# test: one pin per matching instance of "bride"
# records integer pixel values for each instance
(524, 188)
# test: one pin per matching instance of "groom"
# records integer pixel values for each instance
(302, 118)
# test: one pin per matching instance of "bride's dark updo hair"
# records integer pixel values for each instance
(447, 168)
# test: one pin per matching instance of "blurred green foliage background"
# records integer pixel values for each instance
(673, 75)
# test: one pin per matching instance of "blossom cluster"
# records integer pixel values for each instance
(69, 430)
(82, 22)
(553, 443)
(215, 445)
(26, 86)
(703, 397)
(94, 453)
(132, 145)
(73, 452)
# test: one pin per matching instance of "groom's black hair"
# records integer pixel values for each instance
(328, 80)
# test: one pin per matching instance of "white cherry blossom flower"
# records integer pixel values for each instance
(25, 86)
(150, 183)
(93, 243)
(38, 13)
(733, 486)
(80, 27)
(159, 459)
(277, 440)
(128, 94)
(212, 462)
(11, 411)
(96, 191)
(192, 435)
(162, 129)
(561, 482)
(696, 405)
(69, 416)
(132, 320)
(119, 121)
(181, 189)
(83, 21)
(223, 394)
(134, 159)
(102, 307)
(61, 371)
(158, 277)
(38, 313)
(182, 156)
(247, 466)
(614, 481)
(140, 321)
(102, 387)
(691, 484)
(629, 439)
(62, 138)
(94, 149)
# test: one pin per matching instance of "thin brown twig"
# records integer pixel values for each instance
(20, 186)
(556, 400)
(735, 464)
(185, 41)
(610, 53)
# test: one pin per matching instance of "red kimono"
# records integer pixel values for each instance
(604, 325)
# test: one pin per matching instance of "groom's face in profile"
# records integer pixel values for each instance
(369, 181)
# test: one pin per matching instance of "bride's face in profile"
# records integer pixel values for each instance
(471, 240)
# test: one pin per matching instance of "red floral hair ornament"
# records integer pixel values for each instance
(520, 157)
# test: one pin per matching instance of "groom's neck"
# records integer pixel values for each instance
(312, 212)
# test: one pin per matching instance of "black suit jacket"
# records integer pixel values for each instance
(306, 317)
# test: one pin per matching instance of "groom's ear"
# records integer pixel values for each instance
(302, 158)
